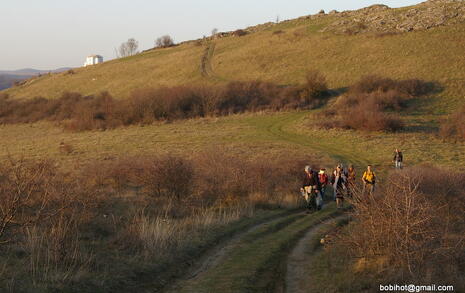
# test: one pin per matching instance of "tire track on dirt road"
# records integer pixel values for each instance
(217, 254)
(252, 262)
(299, 259)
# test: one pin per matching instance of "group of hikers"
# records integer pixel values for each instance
(342, 180)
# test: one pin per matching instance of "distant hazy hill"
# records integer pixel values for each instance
(7, 80)
(31, 71)
(424, 41)
(9, 77)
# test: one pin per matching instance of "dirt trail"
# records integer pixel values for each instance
(299, 259)
(205, 64)
(279, 128)
(216, 255)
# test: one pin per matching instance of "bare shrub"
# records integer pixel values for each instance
(145, 106)
(239, 33)
(41, 209)
(164, 42)
(225, 178)
(370, 118)
(27, 195)
(373, 83)
(414, 226)
(207, 178)
(315, 86)
(454, 126)
(128, 48)
(366, 103)
(169, 177)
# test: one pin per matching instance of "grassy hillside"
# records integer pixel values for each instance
(281, 53)
(253, 135)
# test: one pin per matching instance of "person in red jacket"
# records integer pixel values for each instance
(324, 180)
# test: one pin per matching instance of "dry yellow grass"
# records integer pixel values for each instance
(162, 67)
(253, 135)
(233, 134)
(433, 55)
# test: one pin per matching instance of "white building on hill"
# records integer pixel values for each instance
(93, 59)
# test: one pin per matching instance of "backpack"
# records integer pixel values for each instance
(369, 176)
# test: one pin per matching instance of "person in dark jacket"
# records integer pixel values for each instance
(398, 159)
(351, 177)
(339, 181)
(311, 189)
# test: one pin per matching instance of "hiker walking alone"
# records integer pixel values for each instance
(398, 159)
(339, 181)
(351, 175)
(311, 190)
(369, 180)
(324, 181)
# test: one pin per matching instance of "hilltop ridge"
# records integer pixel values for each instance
(381, 18)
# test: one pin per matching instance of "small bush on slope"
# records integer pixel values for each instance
(365, 104)
(168, 103)
(454, 125)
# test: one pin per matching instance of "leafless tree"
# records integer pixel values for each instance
(128, 48)
(214, 31)
(29, 193)
(164, 42)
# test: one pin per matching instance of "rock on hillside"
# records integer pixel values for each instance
(381, 18)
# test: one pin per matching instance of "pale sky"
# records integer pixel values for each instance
(47, 34)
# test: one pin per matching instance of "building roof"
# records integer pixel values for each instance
(98, 56)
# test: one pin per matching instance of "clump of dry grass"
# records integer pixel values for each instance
(55, 253)
(162, 237)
